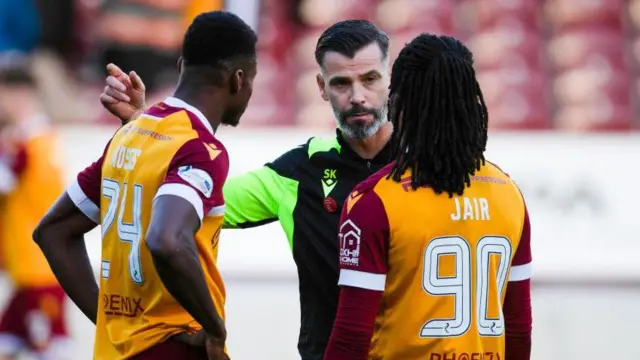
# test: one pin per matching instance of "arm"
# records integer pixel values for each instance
(171, 242)
(363, 272)
(517, 302)
(60, 235)
(253, 199)
(265, 195)
(178, 209)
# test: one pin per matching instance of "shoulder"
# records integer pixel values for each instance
(201, 151)
(288, 163)
(370, 183)
(366, 198)
(319, 145)
(181, 117)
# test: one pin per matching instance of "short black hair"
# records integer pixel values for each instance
(216, 38)
(16, 76)
(439, 115)
(348, 37)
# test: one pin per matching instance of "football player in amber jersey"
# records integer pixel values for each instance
(31, 178)
(435, 248)
(157, 192)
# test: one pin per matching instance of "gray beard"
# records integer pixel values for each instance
(361, 131)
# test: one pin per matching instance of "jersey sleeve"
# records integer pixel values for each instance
(255, 198)
(521, 268)
(194, 172)
(85, 191)
(364, 242)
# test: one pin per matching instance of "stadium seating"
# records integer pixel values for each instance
(542, 64)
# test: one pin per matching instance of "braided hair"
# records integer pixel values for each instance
(438, 113)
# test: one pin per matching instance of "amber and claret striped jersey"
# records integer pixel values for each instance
(169, 150)
(30, 186)
(442, 263)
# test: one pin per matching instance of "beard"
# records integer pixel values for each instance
(360, 129)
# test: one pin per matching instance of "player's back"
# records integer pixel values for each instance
(159, 153)
(448, 265)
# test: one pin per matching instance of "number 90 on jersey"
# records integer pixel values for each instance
(460, 285)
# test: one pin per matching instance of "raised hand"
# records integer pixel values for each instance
(123, 94)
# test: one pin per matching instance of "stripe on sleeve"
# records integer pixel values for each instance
(80, 199)
(184, 191)
(521, 272)
(363, 280)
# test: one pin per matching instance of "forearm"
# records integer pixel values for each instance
(518, 320)
(353, 327)
(70, 263)
(181, 273)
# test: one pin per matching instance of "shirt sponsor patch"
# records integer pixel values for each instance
(197, 178)
(349, 237)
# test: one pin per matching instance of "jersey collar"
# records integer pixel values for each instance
(382, 158)
(177, 103)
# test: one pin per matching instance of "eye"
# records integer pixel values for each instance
(370, 79)
(340, 83)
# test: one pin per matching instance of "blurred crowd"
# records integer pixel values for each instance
(547, 64)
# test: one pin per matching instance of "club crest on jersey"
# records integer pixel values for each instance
(349, 238)
(329, 181)
(197, 178)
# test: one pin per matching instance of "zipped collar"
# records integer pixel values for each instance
(382, 158)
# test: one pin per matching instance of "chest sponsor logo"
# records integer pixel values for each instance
(329, 181)
(197, 178)
(119, 305)
(349, 237)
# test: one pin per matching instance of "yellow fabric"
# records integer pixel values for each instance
(132, 316)
(420, 222)
(37, 188)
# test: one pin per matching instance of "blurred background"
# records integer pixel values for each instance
(562, 83)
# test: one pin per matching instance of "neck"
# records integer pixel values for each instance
(370, 147)
(207, 101)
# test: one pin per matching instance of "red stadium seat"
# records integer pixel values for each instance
(563, 14)
(485, 14)
(499, 46)
(579, 47)
(587, 84)
(515, 99)
(596, 117)
(323, 13)
(418, 15)
(593, 98)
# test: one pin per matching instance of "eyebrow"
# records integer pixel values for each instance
(339, 80)
(343, 79)
(371, 73)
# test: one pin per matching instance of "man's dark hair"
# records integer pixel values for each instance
(439, 114)
(218, 38)
(16, 76)
(348, 37)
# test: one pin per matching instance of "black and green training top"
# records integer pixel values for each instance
(305, 189)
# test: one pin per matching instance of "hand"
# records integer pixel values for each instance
(123, 95)
(197, 339)
(215, 348)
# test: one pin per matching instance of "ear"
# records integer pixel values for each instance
(321, 84)
(236, 81)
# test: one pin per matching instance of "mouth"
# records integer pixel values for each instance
(361, 116)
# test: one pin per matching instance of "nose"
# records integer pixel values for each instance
(357, 95)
